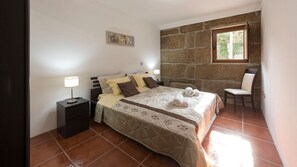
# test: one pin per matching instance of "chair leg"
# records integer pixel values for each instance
(242, 100)
(234, 103)
(225, 100)
(253, 104)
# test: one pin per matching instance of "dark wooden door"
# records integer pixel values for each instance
(14, 83)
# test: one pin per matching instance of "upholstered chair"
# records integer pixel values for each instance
(247, 88)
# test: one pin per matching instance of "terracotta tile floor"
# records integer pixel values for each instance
(238, 139)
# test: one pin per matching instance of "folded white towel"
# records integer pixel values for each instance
(196, 92)
(185, 103)
(190, 92)
(179, 101)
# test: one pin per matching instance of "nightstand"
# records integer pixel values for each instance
(72, 118)
(161, 83)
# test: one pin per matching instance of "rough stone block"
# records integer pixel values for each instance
(165, 70)
(251, 17)
(175, 56)
(182, 85)
(190, 40)
(203, 39)
(173, 42)
(164, 57)
(169, 31)
(192, 27)
(255, 32)
(190, 71)
(178, 70)
(255, 53)
(198, 84)
(201, 55)
(233, 85)
(214, 86)
(220, 72)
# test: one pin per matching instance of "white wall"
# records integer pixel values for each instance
(68, 38)
(279, 67)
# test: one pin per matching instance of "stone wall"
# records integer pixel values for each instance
(186, 56)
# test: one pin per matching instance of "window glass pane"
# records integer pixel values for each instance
(230, 45)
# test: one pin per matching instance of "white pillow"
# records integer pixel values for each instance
(103, 79)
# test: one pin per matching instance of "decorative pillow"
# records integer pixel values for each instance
(139, 79)
(132, 79)
(103, 79)
(150, 82)
(113, 83)
(128, 88)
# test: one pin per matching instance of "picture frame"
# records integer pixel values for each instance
(119, 39)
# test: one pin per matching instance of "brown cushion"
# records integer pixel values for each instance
(150, 82)
(128, 88)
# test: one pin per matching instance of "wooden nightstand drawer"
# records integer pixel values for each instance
(72, 118)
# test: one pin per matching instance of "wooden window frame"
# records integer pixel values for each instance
(243, 27)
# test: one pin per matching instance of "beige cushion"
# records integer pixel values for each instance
(103, 79)
(139, 79)
(238, 91)
(113, 83)
(247, 82)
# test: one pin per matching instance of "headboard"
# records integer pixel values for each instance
(95, 91)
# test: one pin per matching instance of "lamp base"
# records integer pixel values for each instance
(71, 101)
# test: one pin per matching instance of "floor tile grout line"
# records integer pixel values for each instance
(81, 142)
(128, 154)
(146, 158)
(256, 125)
(266, 141)
(116, 146)
(51, 157)
(35, 145)
(268, 161)
(242, 126)
(236, 133)
(99, 132)
(100, 156)
(111, 141)
(64, 152)
(243, 134)
(231, 119)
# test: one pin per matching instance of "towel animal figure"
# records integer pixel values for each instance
(191, 92)
(179, 101)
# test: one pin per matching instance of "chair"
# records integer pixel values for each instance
(247, 88)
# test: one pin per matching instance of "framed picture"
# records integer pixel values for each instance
(119, 39)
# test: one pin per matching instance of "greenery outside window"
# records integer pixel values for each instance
(230, 44)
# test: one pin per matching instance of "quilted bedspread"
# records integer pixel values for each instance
(150, 119)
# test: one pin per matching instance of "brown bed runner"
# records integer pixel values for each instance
(177, 116)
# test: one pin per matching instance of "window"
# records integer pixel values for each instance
(230, 45)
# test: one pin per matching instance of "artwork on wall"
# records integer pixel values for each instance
(119, 39)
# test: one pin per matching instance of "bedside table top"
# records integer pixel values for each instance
(160, 83)
(80, 100)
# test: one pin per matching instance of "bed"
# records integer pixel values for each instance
(150, 119)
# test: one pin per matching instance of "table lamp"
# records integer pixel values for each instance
(71, 82)
(157, 72)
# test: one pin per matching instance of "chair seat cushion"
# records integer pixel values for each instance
(237, 91)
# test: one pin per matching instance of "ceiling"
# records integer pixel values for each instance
(168, 13)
